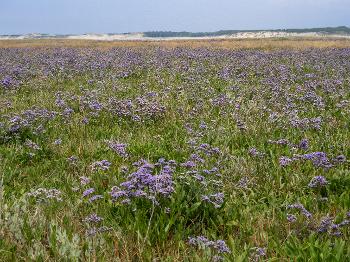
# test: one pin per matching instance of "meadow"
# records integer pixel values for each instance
(175, 151)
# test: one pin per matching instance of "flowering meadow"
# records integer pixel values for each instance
(174, 154)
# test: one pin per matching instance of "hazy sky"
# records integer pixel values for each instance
(117, 16)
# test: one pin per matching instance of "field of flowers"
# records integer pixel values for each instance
(174, 154)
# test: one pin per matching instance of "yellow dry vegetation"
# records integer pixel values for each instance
(263, 44)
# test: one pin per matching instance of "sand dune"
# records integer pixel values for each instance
(141, 37)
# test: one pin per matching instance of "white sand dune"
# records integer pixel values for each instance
(141, 37)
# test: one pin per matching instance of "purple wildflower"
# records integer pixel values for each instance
(43, 194)
(143, 183)
(189, 164)
(7, 81)
(84, 180)
(29, 143)
(216, 199)
(279, 142)
(72, 159)
(325, 224)
(339, 159)
(95, 197)
(318, 181)
(291, 218)
(201, 241)
(57, 142)
(93, 218)
(319, 159)
(304, 144)
(257, 253)
(88, 192)
(301, 208)
(285, 161)
(118, 148)
(101, 165)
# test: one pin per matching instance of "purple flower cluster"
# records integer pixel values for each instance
(208, 149)
(57, 141)
(118, 148)
(255, 153)
(88, 192)
(304, 144)
(32, 119)
(84, 180)
(258, 252)
(101, 165)
(291, 218)
(301, 208)
(142, 108)
(93, 218)
(307, 123)
(218, 245)
(94, 230)
(73, 159)
(216, 199)
(146, 183)
(319, 159)
(285, 161)
(318, 181)
(282, 141)
(327, 225)
(7, 81)
(30, 144)
(43, 194)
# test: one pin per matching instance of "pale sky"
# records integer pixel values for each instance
(117, 16)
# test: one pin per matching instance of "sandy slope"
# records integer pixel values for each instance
(140, 36)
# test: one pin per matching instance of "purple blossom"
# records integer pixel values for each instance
(95, 197)
(7, 81)
(216, 199)
(201, 241)
(291, 218)
(304, 144)
(301, 208)
(84, 180)
(57, 142)
(339, 159)
(29, 143)
(197, 158)
(325, 224)
(255, 153)
(43, 194)
(318, 181)
(243, 182)
(118, 148)
(85, 120)
(257, 253)
(279, 142)
(145, 183)
(101, 165)
(72, 159)
(189, 164)
(285, 161)
(88, 192)
(93, 218)
(319, 159)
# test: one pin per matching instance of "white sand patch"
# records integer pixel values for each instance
(141, 37)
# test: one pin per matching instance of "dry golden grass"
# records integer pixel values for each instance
(264, 44)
